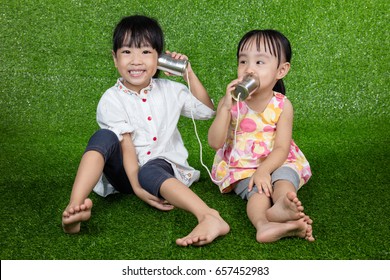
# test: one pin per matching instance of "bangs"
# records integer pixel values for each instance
(262, 39)
(134, 39)
(138, 32)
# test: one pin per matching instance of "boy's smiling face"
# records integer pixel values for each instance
(136, 66)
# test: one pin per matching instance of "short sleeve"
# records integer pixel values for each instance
(111, 115)
(194, 107)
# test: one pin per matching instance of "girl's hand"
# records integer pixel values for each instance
(153, 200)
(227, 101)
(263, 182)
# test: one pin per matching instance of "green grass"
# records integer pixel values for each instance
(56, 62)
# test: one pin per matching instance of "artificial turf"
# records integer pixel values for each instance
(56, 63)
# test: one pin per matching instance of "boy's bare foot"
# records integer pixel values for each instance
(74, 215)
(272, 231)
(206, 231)
(288, 208)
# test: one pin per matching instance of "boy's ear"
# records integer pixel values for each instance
(114, 57)
(283, 70)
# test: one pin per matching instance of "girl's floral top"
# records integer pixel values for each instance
(254, 142)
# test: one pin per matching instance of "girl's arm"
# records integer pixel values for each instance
(130, 164)
(219, 128)
(262, 177)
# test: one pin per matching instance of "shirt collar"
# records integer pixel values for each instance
(121, 87)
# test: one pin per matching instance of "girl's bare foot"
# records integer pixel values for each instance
(288, 208)
(74, 215)
(209, 228)
(272, 231)
(309, 231)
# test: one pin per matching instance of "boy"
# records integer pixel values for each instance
(139, 148)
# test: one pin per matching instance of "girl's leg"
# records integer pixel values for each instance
(210, 224)
(287, 206)
(267, 231)
(256, 208)
(288, 210)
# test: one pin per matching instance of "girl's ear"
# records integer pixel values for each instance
(283, 70)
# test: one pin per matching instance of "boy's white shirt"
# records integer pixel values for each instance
(151, 117)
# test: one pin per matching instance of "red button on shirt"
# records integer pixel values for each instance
(148, 153)
(149, 118)
(154, 138)
(143, 99)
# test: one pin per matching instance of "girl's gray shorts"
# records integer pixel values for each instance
(282, 173)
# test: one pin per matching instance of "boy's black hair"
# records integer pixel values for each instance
(274, 42)
(138, 31)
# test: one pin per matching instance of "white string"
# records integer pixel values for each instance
(200, 143)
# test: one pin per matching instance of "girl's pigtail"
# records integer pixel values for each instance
(279, 87)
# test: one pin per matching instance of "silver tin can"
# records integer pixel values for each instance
(167, 63)
(246, 87)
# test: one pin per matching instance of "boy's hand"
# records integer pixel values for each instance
(153, 200)
(180, 56)
(177, 55)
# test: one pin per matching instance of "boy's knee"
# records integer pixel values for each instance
(105, 134)
(104, 141)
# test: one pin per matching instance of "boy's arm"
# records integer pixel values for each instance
(130, 164)
(197, 88)
(195, 85)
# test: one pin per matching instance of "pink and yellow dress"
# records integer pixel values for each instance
(254, 142)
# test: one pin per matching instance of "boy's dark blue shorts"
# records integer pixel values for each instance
(150, 176)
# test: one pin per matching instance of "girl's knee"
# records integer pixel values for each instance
(285, 185)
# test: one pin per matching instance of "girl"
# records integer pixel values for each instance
(139, 148)
(256, 156)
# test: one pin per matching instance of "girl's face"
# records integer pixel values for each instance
(136, 66)
(263, 64)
